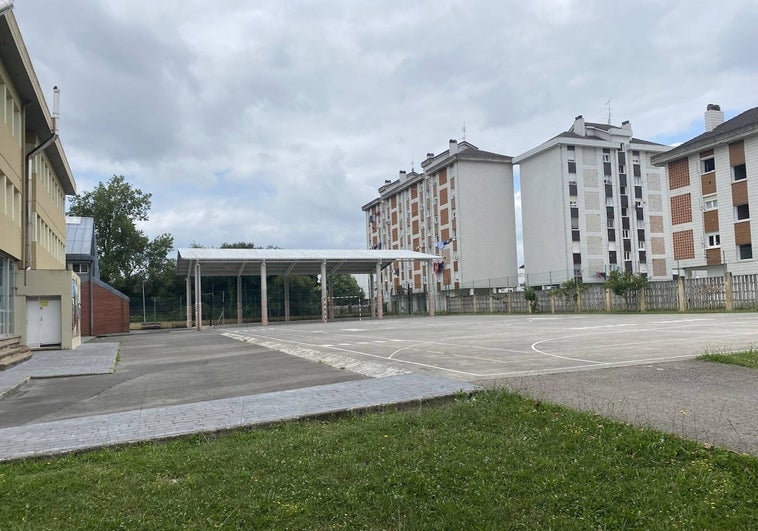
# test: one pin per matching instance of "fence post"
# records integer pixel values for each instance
(552, 303)
(680, 294)
(608, 305)
(510, 302)
(643, 299)
(578, 301)
(728, 291)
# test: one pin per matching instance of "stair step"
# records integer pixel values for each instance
(13, 352)
(8, 361)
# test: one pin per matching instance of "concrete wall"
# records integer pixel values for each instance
(51, 283)
(545, 217)
(487, 221)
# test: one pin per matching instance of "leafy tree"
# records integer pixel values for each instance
(127, 256)
(530, 295)
(571, 290)
(346, 286)
(239, 245)
(625, 284)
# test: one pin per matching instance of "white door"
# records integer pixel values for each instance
(43, 321)
(32, 322)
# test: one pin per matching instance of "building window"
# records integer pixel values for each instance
(745, 251)
(577, 258)
(572, 204)
(742, 212)
(606, 155)
(713, 239)
(575, 236)
(707, 165)
(710, 202)
(625, 234)
(739, 172)
(627, 256)
(612, 257)
(641, 246)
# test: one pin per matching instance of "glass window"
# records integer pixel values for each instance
(745, 251)
(710, 202)
(739, 172)
(707, 165)
(742, 211)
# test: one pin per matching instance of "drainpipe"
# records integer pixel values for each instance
(29, 182)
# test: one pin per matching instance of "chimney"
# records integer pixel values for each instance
(626, 125)
(402, 175)
(714, 117)
(578, 127)
(429, 156)
(453, 149)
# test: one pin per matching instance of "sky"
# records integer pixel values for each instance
(274, 122)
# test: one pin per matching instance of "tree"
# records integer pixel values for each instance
(571, 290)
(127, 257)
(530, 295)
(625, 284)
(346, 286)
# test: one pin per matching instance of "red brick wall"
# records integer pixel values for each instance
(111, 311)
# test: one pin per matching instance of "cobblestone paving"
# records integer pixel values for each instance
(164, 422)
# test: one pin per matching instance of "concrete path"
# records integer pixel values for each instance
(88, 359)
(70, 435)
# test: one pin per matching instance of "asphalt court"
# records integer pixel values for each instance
(481, 347)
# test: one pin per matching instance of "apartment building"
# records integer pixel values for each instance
(461, 208)
(712, 181)
(592, 202)
(39, 298)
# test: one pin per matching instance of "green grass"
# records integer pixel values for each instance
(492, 460)
(748, 358)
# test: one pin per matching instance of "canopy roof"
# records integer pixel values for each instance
(247, 262)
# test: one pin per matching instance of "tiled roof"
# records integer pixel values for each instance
(730, 130)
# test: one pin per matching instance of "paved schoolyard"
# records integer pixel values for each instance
(167, 384)
(474, 348)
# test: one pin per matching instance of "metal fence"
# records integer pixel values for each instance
(729, 292)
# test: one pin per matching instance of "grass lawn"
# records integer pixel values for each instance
(492, 460)
(748, 358)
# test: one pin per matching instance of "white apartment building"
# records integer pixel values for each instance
(592, 202)
(460, 208)
(713, 186)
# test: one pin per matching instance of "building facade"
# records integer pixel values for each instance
(712, 181)
(39, 298)
(592, 202)
(104, 309)
(460, 208)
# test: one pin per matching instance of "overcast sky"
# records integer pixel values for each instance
(274, 122)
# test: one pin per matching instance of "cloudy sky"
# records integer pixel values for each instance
(275, 121)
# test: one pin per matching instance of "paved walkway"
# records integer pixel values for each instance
(88, 359)
(49, 438)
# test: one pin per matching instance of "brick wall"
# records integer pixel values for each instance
(679, 174)
(681, 209)
(111, 310)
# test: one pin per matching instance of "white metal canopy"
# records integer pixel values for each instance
(247, 262)
(199, 262)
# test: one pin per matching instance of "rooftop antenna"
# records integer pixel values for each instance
(413, 165)
(608, 104)
(464, 131)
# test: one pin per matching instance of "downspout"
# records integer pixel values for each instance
(29, 183)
